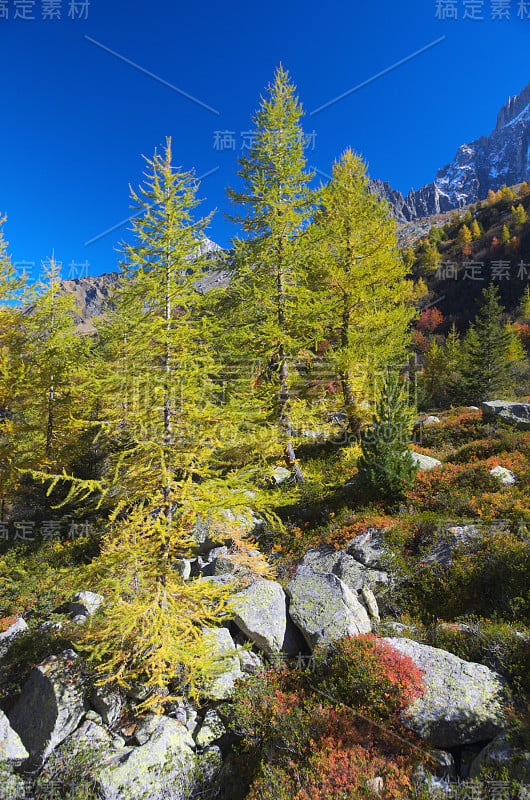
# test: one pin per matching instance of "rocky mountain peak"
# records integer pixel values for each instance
(513, 108)
(478, 166)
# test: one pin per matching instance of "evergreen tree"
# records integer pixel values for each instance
(267, 276)
(434, 234)
(386, 468)
(491, 197)
(468, 217)
(435, 374)
(486, 372)
(505, 235)
(361, 277)
(524, 306)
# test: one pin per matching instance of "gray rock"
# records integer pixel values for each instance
(12, 751)
(250, 662)
(161, 768)
(370, 603)
(324, 609)
(10, 633)
(355, 575)
(8, 636)
(219, 562)
(108, 703)
(426, 421)
(212, 728)
(85, 603)
(322, 559)
(51, 626)
(50, 706)
(260, 612)
(280, 475)
(207, 534)
(445, 765)
(220, 644)
(500, 754)
(505, 476)
(425, 462)
(517, 414)
(79, 619)
(182, 566)
(463, 702)
(447, 540)
(370, 548)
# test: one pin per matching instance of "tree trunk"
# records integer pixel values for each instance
(354, 422)
(49, 430)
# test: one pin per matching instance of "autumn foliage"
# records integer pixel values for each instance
(308, 745)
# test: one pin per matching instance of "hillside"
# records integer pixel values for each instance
(455, 270)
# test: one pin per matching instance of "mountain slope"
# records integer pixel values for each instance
(484, 164)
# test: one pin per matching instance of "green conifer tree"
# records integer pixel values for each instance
(486, 371)
(386, 468)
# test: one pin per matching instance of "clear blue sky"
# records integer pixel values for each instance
(77, 119)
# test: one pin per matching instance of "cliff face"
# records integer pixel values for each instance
(92, 297)
(487, 163)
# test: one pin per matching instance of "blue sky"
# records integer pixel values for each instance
(76, 118)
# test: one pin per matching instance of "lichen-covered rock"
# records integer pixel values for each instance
(370, 603)
(324, 609)
(220, 644)
(12, 751)
(212, 728)
(162, 767)
(462, 703)
(426, 421)
(517, 414)
(352, 572)
(250, 662)
(260, 612)
(501, 754)
(50, 706)
(18, 627)
(369, 548)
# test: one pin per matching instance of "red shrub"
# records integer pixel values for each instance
(430, 320)
(369, 675)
